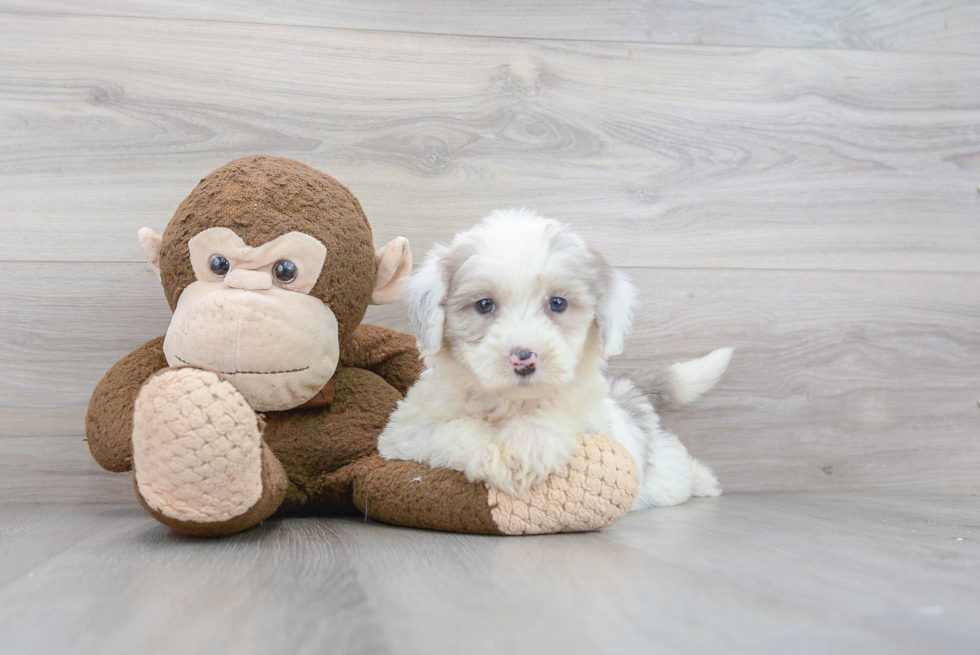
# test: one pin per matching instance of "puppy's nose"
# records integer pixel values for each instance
(524, 355)
(523, 361)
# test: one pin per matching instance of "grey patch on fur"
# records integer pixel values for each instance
(450, 262)
(463, 323)
(632, 400)
(420, 313)
(417, 311)
(602, 271)
(658, 385)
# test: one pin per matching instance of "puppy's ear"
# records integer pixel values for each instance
(425, 290)
(614, 312)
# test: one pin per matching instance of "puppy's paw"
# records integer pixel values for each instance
(488, 465)
(533, 451)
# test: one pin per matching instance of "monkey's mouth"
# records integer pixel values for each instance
(292, 370)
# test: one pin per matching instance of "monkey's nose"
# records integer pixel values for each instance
(242, 278)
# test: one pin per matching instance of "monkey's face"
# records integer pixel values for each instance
(249, 317)
(269, 266)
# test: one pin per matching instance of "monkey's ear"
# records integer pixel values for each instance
(151, 243)
(393, 262)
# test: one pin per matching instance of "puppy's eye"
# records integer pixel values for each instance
(219, 265)
(485, 306)
(284, 271)
(557, 304)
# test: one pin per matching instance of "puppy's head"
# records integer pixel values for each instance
(519, 301)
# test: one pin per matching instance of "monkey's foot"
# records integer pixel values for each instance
(200, 464)
(597, 487)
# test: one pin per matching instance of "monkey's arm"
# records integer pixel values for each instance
(597, 488)
(109, 423)
(390, 354)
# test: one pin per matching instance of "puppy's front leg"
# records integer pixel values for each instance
(488, 464)
(466, 444)
(472, 446)
(536, 446)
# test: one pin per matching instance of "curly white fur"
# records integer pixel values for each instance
(472, 412)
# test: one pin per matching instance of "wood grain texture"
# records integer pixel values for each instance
(903, 25)
(56, 470)
(814, 208)
(840, 379)
(668, 156)
(817, 209)
(800, 573)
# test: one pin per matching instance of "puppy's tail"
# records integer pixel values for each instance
(685, 381)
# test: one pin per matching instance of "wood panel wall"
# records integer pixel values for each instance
(791, 178)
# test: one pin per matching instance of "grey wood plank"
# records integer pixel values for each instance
(840, 379)
(904, 25)
(807, 573)
(670, 156)
(128, 584)
(899, 564)
(57, 470)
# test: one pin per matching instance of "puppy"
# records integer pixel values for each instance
(516, 319)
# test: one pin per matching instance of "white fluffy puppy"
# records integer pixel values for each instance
(516, 319)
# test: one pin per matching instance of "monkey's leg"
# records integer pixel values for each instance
(109, 422)
(597, 488)
(200, 464)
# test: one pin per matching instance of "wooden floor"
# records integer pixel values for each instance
(794, 573)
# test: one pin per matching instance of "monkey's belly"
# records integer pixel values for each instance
(313, 443)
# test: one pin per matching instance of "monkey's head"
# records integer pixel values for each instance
(269, 266)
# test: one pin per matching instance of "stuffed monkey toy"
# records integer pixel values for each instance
(267, 395)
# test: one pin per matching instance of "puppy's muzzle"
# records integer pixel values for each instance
(523, 361)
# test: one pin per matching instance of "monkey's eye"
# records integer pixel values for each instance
(485, 306)
(219, 265)
(284, 271)
(557, 304)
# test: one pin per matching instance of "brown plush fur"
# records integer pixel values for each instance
(262, 198)
(414, 495)
(109, 423)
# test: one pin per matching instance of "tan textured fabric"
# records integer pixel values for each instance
(274, 483)
(597, 488)
(303, 250)
(394, 262)
(197, 450)
(151, 243)
(277, 347)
